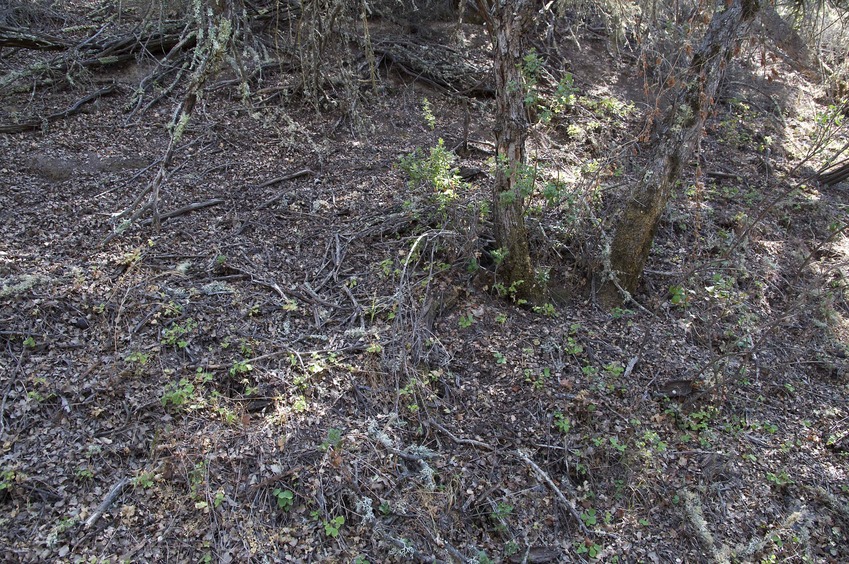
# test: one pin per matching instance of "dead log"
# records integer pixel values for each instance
(835, 174)
(444, 68)
(25, 39)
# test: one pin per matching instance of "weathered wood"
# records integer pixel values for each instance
(835, 174)
(107, 502)
(445, 68)
(24, 39)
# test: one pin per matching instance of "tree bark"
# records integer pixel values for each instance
(834, 174)
(793, 49)
(509, 23)
(676, 139)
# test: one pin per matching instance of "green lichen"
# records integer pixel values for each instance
(13, 285)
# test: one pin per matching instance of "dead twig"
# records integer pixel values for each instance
(283, 178)
(107, 502)
(458, 440)
(38, 123)
(186, 209)
(565, 503)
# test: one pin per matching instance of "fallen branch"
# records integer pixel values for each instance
(565, 503)
(107, 502)
(458, 440)
(799, 522)
(218, 43)
(444, 68)
(21, 38)
(163, 67)
(834, 175)
(186, 209)
(693, 509)
(630, 368)
(407, 547)
(283, 178)
(38, 123)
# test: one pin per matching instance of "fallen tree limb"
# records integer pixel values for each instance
(38, 123)
(445, 68)
(283, 178)
(459, 440)
(163, 67)
(186, 209)
(107, 502)
(218, 42)
(798, 521)
(565, 503)
(138, 213)
(719, 552)
(21, 38)
(834, 175)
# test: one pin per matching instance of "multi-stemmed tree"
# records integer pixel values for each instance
(676, 138)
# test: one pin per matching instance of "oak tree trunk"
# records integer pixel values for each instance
(675, 141)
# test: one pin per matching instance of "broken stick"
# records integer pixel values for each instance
(107, 502)
(567, 505)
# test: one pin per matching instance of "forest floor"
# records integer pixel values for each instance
(322, 368)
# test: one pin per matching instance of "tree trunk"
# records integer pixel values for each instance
(793, 49)
(513, 182)
(676, 139)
